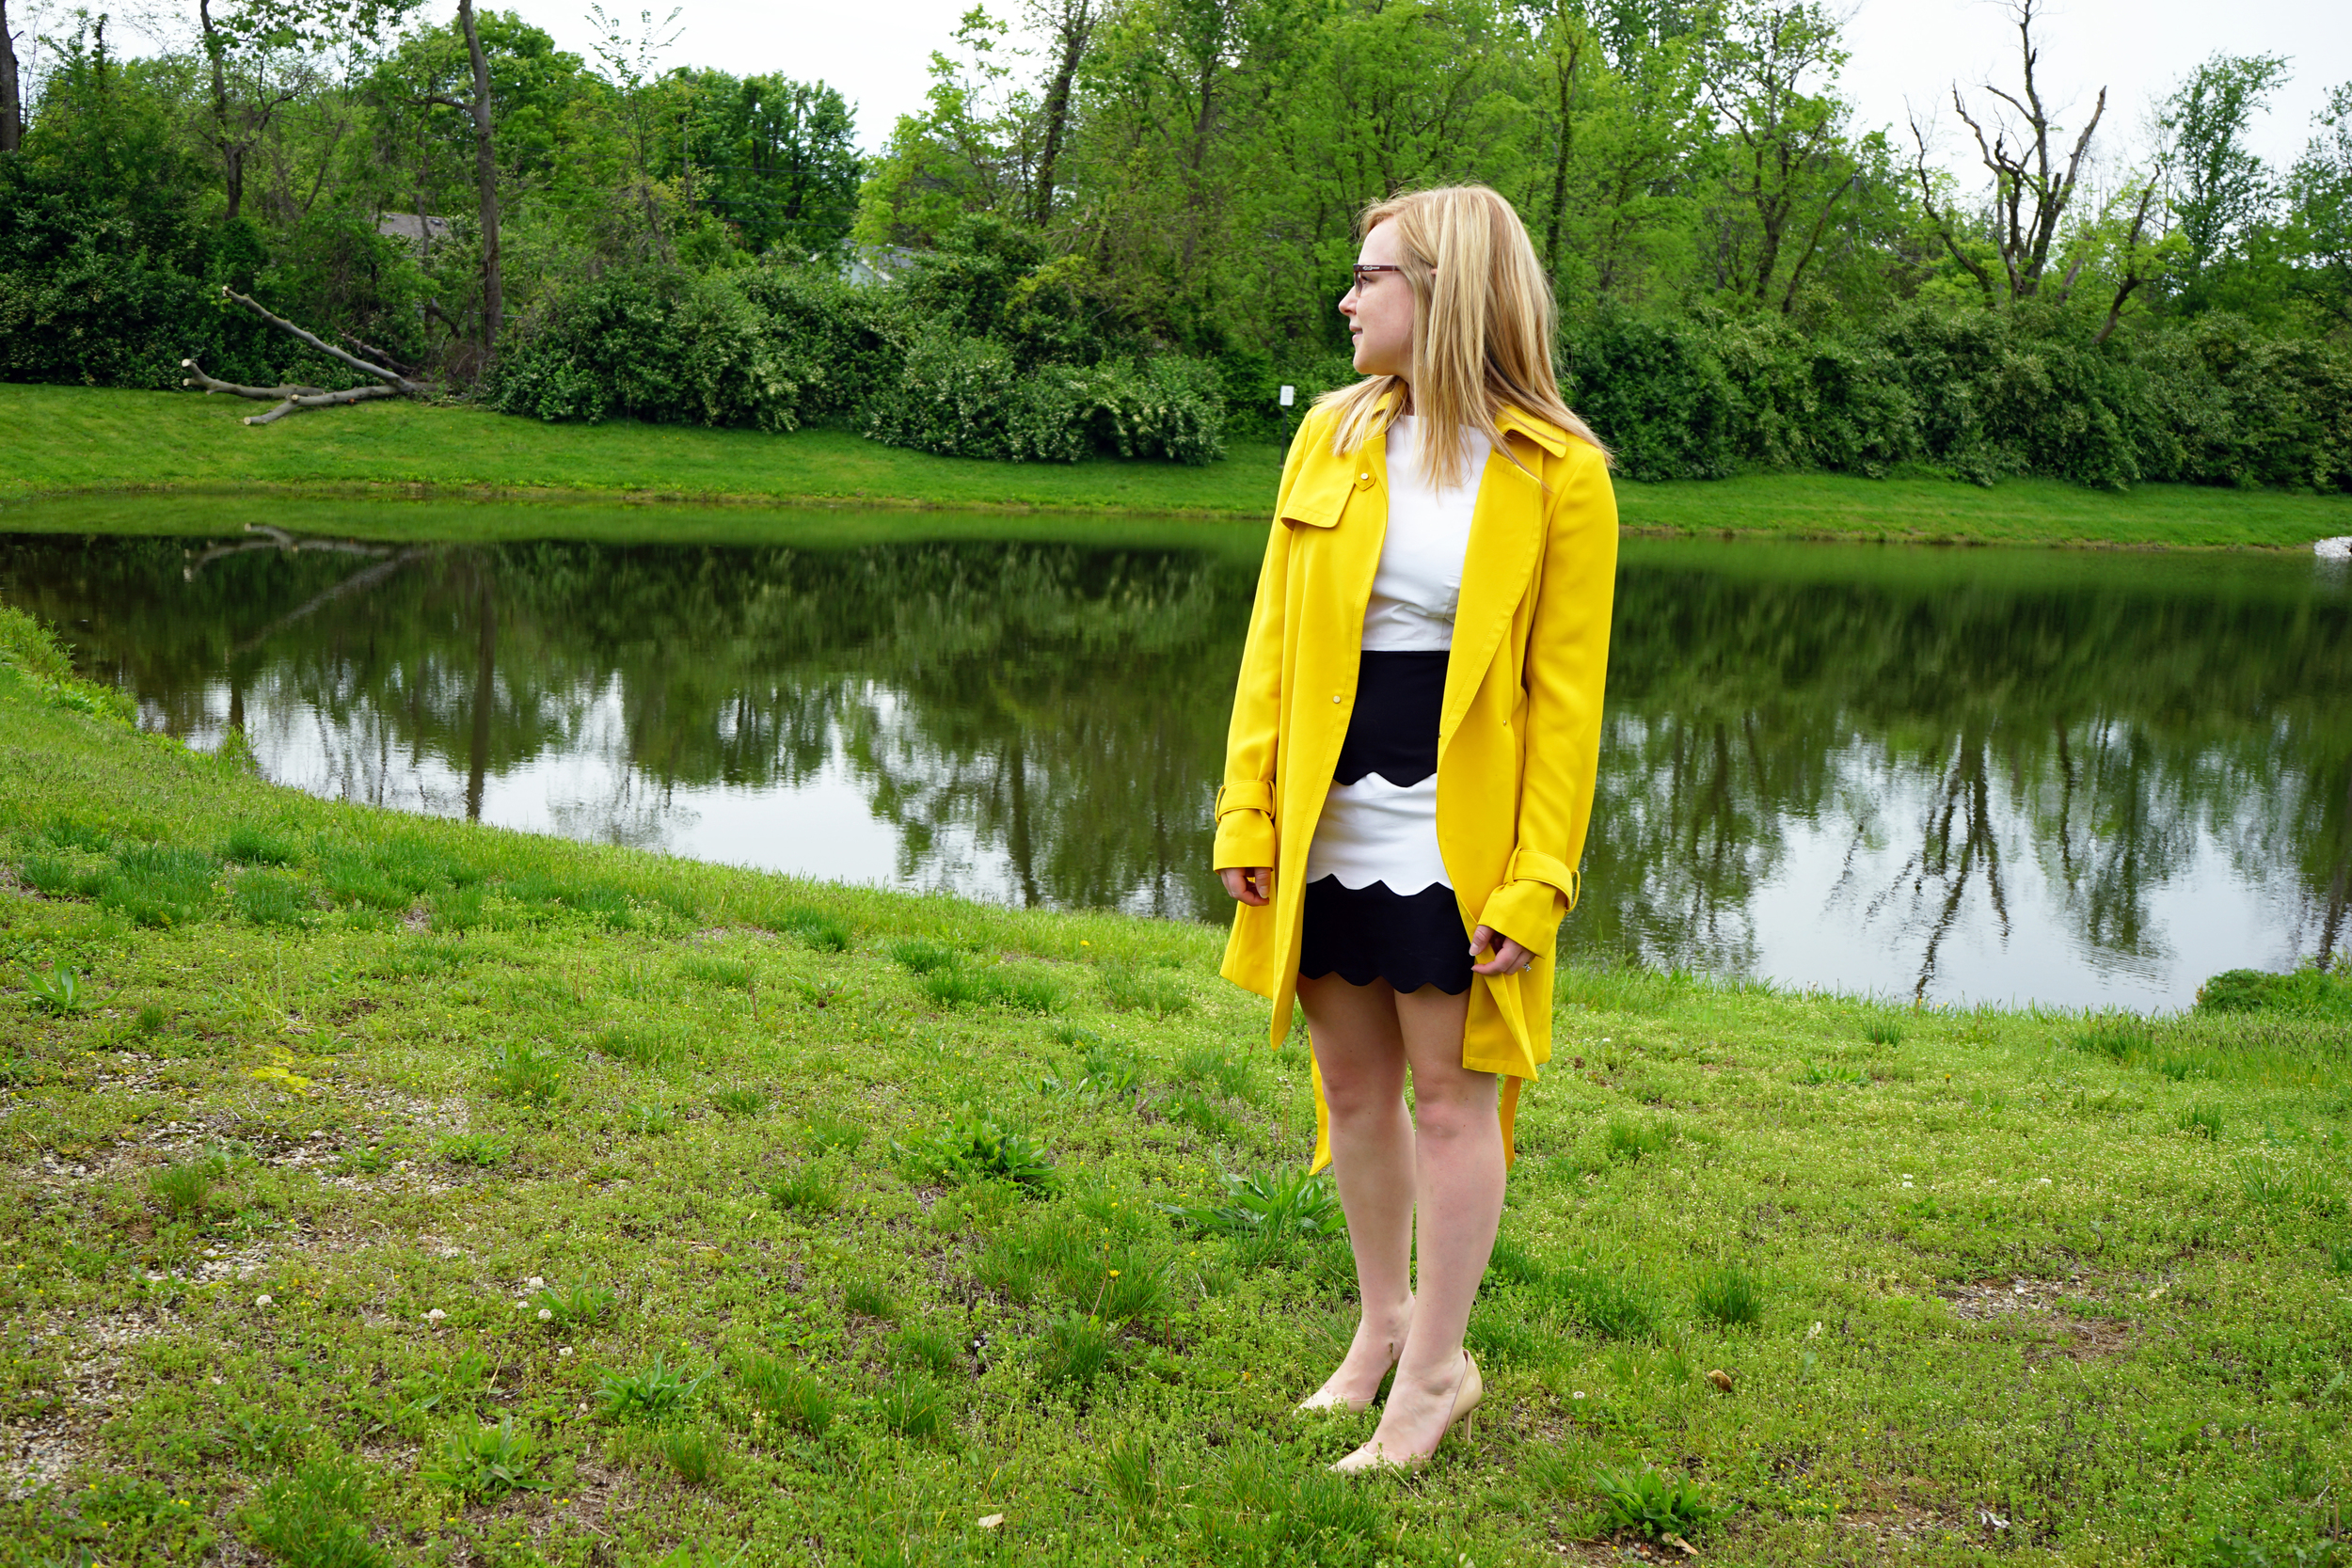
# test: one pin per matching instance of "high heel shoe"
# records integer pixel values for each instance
(1324, 1401)
(1466, 1394)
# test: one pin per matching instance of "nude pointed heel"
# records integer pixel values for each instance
(1465, 1398)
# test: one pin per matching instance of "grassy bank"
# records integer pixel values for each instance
(65, 441)
(488, 1198)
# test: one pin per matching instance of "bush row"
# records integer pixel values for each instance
(775, 348)
(1979, 395)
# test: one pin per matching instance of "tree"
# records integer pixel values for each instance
(11, 95)
(1789, 165)
(777, 159)
(1069, 27)
(2030, 190)
(968, 151)
(2220, 188)
(2320, 201)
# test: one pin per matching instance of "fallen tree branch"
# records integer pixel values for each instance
(376, 354)
(392, 379)
(321, 399)
(197, 377)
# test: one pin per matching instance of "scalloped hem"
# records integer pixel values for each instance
(1371, 933)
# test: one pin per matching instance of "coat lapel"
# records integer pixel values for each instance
(1506, 533)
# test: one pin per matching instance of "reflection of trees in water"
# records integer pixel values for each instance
(1062, 710)
(2103, 731)
(1062, 704)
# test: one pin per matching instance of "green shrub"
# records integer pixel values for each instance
(485, 1463)
(2306, 992)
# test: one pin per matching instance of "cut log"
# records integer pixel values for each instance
(391, 379)
(322, 400)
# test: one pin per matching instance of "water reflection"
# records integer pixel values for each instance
(1990, 774)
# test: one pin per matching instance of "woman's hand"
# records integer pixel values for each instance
(1507, 960)
(1252, 884)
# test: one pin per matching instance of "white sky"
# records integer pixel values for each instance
(875, 52)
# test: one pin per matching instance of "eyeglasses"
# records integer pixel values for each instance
(1362, 268)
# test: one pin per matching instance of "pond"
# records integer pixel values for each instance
(2085, 779)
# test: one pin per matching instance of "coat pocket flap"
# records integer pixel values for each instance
(1319, 495)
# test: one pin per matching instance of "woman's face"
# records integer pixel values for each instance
(1379, 310)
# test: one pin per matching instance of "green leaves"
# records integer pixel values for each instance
(1659, 1506)
(972, 1147)
(1273, 1203)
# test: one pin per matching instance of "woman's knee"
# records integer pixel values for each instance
(1456, 1108)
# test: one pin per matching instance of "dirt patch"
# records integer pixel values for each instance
(2048, 1306)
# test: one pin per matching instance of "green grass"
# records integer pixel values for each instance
(2085, 1276)
(73, 459)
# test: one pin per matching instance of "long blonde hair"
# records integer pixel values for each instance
(1482, 317)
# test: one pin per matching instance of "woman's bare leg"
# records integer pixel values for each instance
(1458, 1173)
(1361, 1051)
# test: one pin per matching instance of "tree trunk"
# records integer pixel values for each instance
(231, 150)
(1567, 67)
(486, 171)
(1073, 29)
(11, 97)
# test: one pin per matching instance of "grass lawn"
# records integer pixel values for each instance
(384, 1190)
(94, 445)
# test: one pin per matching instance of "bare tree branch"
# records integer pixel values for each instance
(392, 379)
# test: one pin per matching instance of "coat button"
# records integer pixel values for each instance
(1335, 697)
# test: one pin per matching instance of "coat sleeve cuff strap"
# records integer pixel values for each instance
(1533, 865)
(1247, 795)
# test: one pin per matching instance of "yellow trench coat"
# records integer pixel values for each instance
(1519, 735)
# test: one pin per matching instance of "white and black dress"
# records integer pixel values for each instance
(1378, 903)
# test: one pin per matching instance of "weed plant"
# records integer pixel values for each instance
(870, 1298)
(56, 989)
(912, 1407)
(783, 1396)
(1659, 1506)
(1729, 1298)
(809, 1189)
(481, 1463)
(695, 1453)
(972, 1147)
(1132, 989)
(654, 1392)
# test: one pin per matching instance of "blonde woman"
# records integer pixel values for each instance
(1410, 772)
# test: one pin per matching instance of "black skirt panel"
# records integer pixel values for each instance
(1393, 729)
(1369, 933)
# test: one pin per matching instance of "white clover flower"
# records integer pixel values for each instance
(536, 1283)
(261, 1300)
(546, 1316)
(435, 1316)
(566, 1351)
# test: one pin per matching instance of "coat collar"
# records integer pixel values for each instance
(1546, 435)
